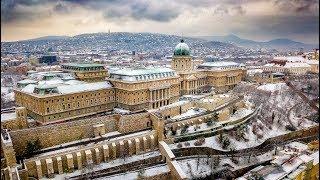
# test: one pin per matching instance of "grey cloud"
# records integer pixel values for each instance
(221, 11)
(231, 10)
(15, 10)
(284, 26)
(298, 6)
(238, 10)
(61, 8)
(162, 11)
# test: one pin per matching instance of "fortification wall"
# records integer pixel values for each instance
(174, 110)
(56, 134)
(52, 135)
(134, 122)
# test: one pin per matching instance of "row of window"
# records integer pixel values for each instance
(72, 98)
(77, 105)
(74, 113)
(144, 85)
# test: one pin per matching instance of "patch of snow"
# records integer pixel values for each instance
(8, 116)
(273, 87)
(190, 113)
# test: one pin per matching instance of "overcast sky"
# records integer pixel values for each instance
(254, 19)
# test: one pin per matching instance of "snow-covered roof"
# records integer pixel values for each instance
(73, 87)
(254, 71)
(55, 81)
(83, 65)
(29, 88)
(68, 89)
(220, 64)
(296, 64)
(8, 116)
(141, 71)
(141, 74)
(27, 81)
(290, 58)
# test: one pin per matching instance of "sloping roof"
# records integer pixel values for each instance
(141, 71)
(83, 65)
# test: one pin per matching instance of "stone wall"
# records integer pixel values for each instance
(52, 135)
(69, 160)
(175, 109)
(17, 122)
(56, 134)
(135, 122)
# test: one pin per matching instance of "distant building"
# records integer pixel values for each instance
(292, 65)
(48, 60)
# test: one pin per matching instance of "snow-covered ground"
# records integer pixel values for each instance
(273, 87)
(203, 126)
(121, 111)
(152, 171)
(190, 113)
(204, 166)
(109, 164)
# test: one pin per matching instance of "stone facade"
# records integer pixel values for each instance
(69, 161)
(19, 121)
(60, 107)
(146, 94)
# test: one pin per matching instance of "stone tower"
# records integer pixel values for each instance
(181, 60)
(21, 113)
(7, 149)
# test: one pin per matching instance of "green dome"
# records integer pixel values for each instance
(182, 49)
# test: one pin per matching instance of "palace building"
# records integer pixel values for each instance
(85, 89)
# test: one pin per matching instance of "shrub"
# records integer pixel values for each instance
(32, 147)
(290, 128)
(209, 123)
(200, 141)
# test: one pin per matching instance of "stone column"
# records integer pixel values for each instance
(137, 141)
(121, 148)
(130, 147)
(39, 169)
(79, 160)
(97, 153)
(49, 164)
(70, 164)
(88, 157)
(161, 92)
(59, 165)
(105, 152)
(153, 98)
(99, 130)
(145, 144)
(114, 150)
(152, 142)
